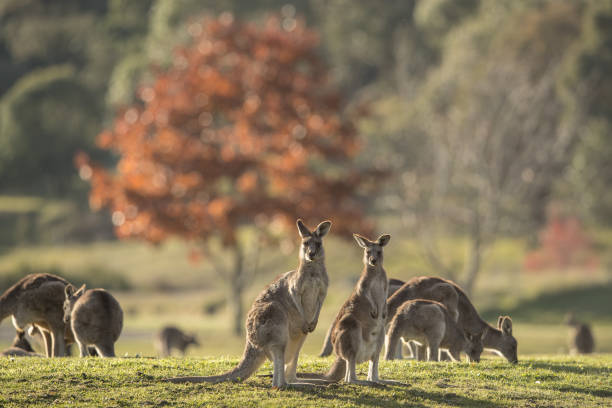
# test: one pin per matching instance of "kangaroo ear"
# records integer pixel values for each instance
(322, 229)
(303, 229)
(69, 290)
(361, 241)
(383, 239)
(499, 322)
(506, 326)
(80, 291)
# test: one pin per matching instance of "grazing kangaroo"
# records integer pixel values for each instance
(95, 317)
(171, 337)
(359, 329)
(429, 323)
(581, 339)
(37, 299)
(499, 340)
(282, 315)
(394, 284)
(20, 348)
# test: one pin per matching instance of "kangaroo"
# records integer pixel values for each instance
(359, 329)
(282, 315)
(499, 340)
(581, 339)
(20, 348)
(95, 317)
(171, 337)
(394, 284)
(429, 323)
(37, 299)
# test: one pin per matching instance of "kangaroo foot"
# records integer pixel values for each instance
(368, 383)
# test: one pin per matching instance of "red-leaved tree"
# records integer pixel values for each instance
(243, 130)
(563, 245)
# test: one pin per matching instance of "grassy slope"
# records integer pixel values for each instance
(538, 381)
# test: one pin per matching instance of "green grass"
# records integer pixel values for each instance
(534, 382)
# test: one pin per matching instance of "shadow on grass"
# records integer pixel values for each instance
(406, 396)
(595, 393)
(588, 302)
(575, 368)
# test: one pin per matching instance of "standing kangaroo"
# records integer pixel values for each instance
(95, 317)
(394, 284)
(498, 339)
(581, 339)
(37, 299)
(20, 348)
(359, 329)
(171, 337)
(429, 323)
(282, 315)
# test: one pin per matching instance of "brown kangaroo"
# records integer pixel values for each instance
(37, 299)
(95, 317)
(394, 284)
(499, 340)
(429, 323)
(171, 337)
(359, 329)
(581, 339)
(20, 348)
(282, 315)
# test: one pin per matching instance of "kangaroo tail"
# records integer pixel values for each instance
(335, 373)
(252, 358)
(327, 345)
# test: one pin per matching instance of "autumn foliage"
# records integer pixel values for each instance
(563, 245)
(243, 128)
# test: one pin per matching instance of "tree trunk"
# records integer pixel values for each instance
(236, 285)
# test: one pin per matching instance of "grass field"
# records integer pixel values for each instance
(539, 381)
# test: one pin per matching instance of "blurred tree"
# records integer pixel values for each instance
(54, 62)
(241, 131)
(169, 25)
(492, 131)
(586, 185)
(563, 244)
(39, 130)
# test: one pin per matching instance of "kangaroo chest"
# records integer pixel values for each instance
(313, 289)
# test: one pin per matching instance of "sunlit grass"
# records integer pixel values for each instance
(538, 381)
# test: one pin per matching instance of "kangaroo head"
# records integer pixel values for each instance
(372, 251)
(508, 345)
(21, 342)
(570, 319)
(190, 339)
(311, 248)
(473, 346)
(71, 297)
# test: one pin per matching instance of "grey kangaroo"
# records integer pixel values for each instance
(429, 323)
(95, 317)
(282, 315)
(37, 299)
(359, 329)
(498, 339)
(170, 338)
(581, 339)
(20, 348)
(394, 284)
